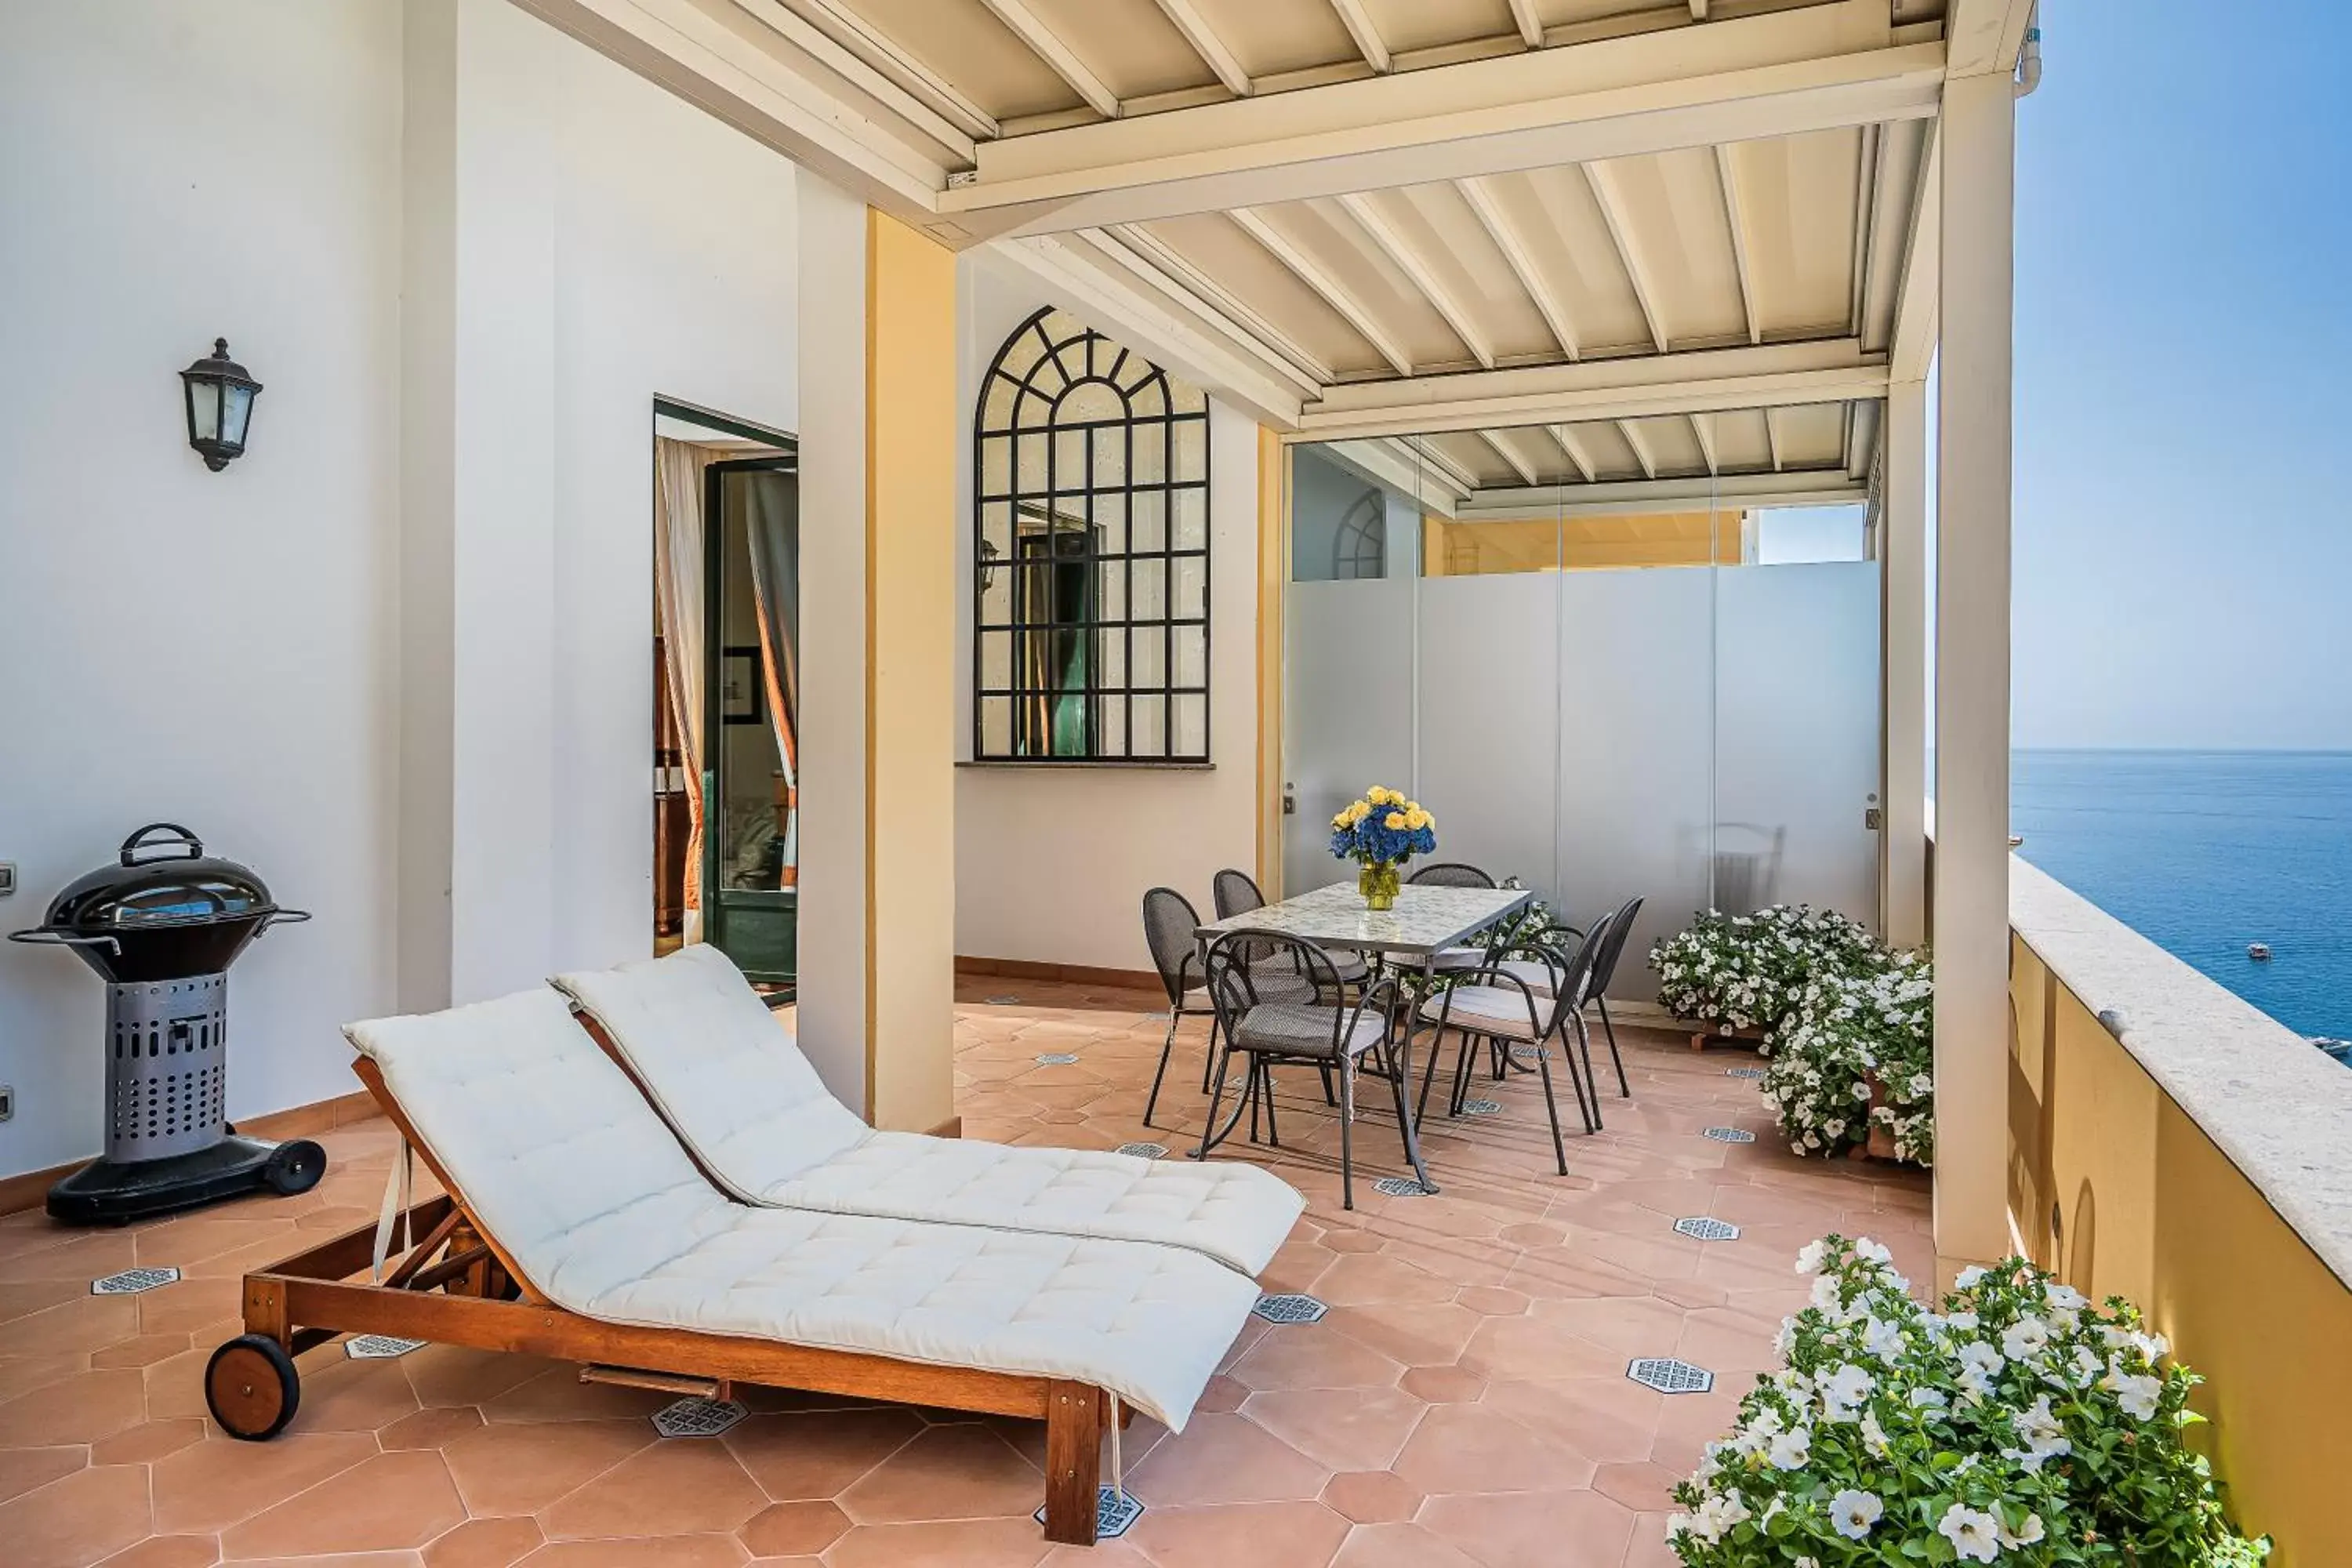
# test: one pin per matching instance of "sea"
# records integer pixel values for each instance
(2207, 853)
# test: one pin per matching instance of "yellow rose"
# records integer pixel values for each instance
(1378, 796)
(1416, 819)
(1394, 821)
(1357, 811)
(1340, 820)
(1411, 806)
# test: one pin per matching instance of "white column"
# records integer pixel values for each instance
(1972, 670)
(1903, 581)
(832, 1013)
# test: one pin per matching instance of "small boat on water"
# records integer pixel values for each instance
(2260, 952)
(2340, 1049)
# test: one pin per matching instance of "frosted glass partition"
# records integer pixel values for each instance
(1796, 739)
(1347, 710)
(1636, 751)
(1490, 723)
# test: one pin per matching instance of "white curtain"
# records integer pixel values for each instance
(773, 533)
(677, 587)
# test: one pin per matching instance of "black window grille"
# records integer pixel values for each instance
(1090, 593)
(1360, 548)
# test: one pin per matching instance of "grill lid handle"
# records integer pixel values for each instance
(181, 837)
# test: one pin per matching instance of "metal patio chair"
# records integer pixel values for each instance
(1620, 926)
(1330, 1032)
(1498, 1005)
(1169, 927)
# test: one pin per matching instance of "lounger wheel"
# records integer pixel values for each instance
(252, 1388)
(295, 1167)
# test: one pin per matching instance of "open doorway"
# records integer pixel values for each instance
(726, 692)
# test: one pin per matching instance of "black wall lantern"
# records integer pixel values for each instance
(220, 406)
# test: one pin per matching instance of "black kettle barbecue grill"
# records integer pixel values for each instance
(161, 928)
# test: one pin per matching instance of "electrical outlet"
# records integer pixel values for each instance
(7, 1102)
(7, 878)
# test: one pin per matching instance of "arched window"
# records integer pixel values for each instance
(1360, 546)
(1090, 553)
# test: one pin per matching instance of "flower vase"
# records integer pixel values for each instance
(1378, 881)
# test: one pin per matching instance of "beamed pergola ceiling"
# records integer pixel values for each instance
(1374, 218)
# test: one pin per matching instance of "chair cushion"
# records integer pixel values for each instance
(1299, 1029)
(1537, 977)
(571, 1173)
(736, 1089)
(1488, 1009)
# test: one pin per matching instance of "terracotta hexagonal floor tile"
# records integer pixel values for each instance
(667, 1552)
(960, 1543)
(485, 1544)
(431, 1428)
(793, 1530)
(1372, 1496)
(1399, 1545)
(77, 1519)
(390, 1504)
(964, 1471)
(1526, 1530)
(81, 1408)
(1308, 1355)
(1226, 1459)
(1610, 1419)
(80, 1325)
(1374, 1276)
(210, 1486)
(521, 1467)
(819, 1454)
(1419, 1334)
(346, 1396)
(686, 1487)
(22, 1469)
(1343, 1428)
(169, 1551)
(558, 1394)
(1477, 1448)
(150, 1441)
(1293, 1534)
(1444, 1384)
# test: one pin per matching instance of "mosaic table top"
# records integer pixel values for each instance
(1425, 919)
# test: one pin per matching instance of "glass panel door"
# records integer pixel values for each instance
(750, 869)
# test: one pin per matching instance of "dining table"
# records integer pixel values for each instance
(1426, 922)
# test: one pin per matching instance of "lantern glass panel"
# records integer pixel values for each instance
(205, 410)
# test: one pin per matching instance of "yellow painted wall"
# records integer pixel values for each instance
(1537, 543)
(2114, 1187)
(910, 445)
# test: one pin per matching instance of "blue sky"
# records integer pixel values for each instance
(2184, 328)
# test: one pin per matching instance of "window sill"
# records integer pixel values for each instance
(1056, 764)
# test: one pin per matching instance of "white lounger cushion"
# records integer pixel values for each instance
(575, 1176)
(738, 1090)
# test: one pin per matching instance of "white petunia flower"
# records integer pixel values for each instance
(1809, 1257)
(2065, 1297)
(1852, 1512)
(1843, 1391)
(1875, 1251)
(1929, 1399)
(1790, 1450)
(2027, 1534)
(1882, 1338)
(2025, 1339)
(1968, 1279)
(1874, 1436)
(1975, 1535)
(1978, 1357)
(2137, 1394)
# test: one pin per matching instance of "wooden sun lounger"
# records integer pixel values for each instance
(456, 1287)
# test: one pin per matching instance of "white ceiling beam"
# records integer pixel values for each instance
(1981, 36)
(1206, 44)
(1648, 385)
(876, 51)
(1919, 296)
(1633, 498)
(1770, 74)
(1867, 156)
(1702, 432)
(1727, 174)
(781, 96)
(1360, 28)
(1170, 271)
(1612, 202)
(1519, 465)
(1079, 271)
(1772, 435)
(1048, 45)
(1578, 453)
(1416, 265)
(1634, 437)
(1334, 293)
(1492, 216)
(1531, 28)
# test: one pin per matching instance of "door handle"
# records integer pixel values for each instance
(1289, 800)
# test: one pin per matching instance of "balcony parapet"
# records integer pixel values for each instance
(2280, 1109)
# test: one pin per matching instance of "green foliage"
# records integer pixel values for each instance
(1852, 1029)
(2019, 1425)
(1749, 972)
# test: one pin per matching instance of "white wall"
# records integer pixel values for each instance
(213, 649)
(398, 656)
(1052, 862)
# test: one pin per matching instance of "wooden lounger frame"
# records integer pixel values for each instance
(475, 1295)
